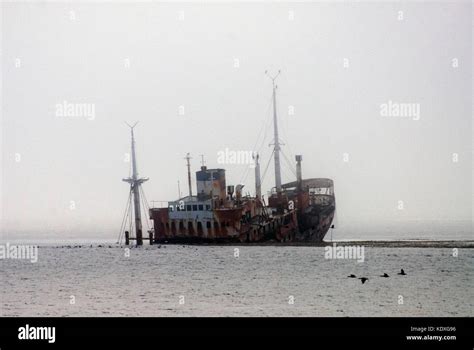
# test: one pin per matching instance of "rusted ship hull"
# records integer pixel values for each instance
(302, 212)
(224, 226)
(283, 230)
(316, 226)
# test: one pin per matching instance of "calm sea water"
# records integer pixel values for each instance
(261, 281)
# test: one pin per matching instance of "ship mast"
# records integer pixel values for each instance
(188, 164)
(275, 136)
(135, 183)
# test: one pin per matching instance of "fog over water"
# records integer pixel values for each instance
(193, 76)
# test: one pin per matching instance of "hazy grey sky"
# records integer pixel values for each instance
(140, 62)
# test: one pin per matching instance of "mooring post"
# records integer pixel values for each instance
(150, 235)
(127, 238)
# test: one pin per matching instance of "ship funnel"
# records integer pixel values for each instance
(211, 184)
(188, 165)
(258, 184)
(299, 177)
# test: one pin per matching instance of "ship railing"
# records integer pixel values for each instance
(158, 204)
(315, 191)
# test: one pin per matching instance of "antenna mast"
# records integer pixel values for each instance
(275, 135)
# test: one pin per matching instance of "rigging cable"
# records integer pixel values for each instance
(146, 206)
(263, 129)
(289, 163)
(130, 230)
(266, 168)
(124, 219)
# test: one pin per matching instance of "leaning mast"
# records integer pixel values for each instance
(135, 183)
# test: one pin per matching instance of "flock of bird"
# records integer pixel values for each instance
(385, 275)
